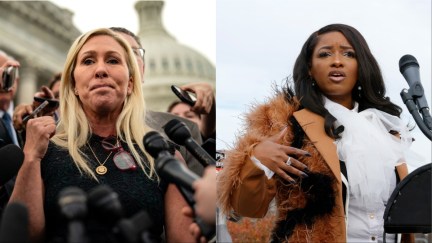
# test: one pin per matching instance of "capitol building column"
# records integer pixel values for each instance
(27, 84)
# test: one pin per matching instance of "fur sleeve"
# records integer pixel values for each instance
(242, 186)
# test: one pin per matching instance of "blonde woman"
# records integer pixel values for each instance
(98, 140)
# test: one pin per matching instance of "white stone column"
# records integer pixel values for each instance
(27, 84)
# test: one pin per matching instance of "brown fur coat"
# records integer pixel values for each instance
(308, 211)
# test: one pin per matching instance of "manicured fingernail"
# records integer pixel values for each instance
(304, 175)
(307, 154)
(292, 182)
(306, 170)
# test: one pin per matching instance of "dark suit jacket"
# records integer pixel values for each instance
(6, 189)
(157, 120)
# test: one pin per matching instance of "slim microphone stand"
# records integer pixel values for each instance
(425, 123)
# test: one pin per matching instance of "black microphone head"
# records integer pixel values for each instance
(131, 229)
(407, 61)
(154, 143)
(177, 131)
(105, 203)
(12, 158)
(73, 203)
(15, 223)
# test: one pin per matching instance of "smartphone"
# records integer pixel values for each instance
(51, 103)
(185, 96)
(37, 110)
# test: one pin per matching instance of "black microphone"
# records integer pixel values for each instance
(178, 132)
(166, 165)
(12, 158)
(73, 205)
(409, 68)
(15, 224)
(105, 204)
(136, 229)
(175, 172)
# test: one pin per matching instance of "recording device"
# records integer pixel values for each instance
(136, 229)
(105, 204)
(35, 112)
(8, 78)
(166, 165)
(185, 96)
(15, 224)
(52, 103)
(73, 206)
(12, 159)
(178, 132)
(414, 98)
(175, 172)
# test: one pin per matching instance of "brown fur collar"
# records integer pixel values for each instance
(263, 121)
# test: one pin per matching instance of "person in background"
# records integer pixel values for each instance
(98, 140)
(51, 93)
(203, 112)
(328, 154)
(8, 134)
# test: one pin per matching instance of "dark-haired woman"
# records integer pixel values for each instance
(327, 154)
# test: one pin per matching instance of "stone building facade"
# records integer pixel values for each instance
(38, 34)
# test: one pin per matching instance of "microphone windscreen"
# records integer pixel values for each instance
(177, 131)
(14, 225)
(105, 203)
(11, 159)
(131, 229)
(154, 143)
(407, 61)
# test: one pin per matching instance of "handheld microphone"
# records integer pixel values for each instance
(12, 159)
(104, 202)
(175, 172)
(178, 132)
(409, 68)
(15, 224)
(136, 229)
(73, 205)
(166, 165)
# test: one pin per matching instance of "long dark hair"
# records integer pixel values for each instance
(372, 94)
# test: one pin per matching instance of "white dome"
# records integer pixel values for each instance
(167, 61)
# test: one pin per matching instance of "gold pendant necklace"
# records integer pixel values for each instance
(101, 169)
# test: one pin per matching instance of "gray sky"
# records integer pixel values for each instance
(191, 22)
(258, 41)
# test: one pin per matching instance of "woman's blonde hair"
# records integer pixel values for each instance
(73, 130)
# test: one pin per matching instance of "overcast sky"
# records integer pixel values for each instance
(258, 42)
(191, 22)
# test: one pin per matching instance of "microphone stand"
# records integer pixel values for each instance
(425, 124)
(409, 97)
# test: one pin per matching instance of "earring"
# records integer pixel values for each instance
(359, 88)
(312, 80)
